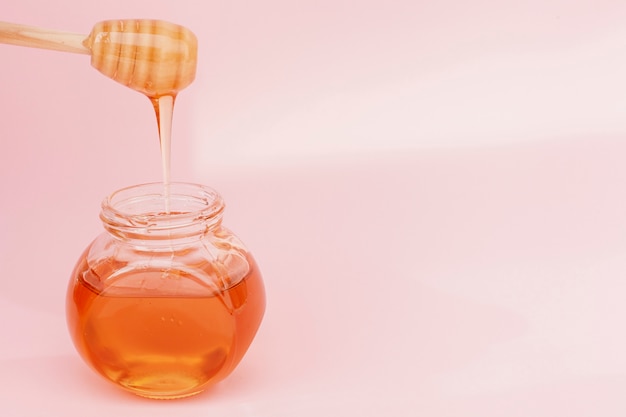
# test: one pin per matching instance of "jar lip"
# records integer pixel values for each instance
(148, 205)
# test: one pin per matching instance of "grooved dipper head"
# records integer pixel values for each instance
(153, 57)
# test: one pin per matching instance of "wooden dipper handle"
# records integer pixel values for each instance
(35, 37)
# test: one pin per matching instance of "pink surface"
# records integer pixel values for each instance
(434, 195)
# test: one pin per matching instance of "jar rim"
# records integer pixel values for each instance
(160, 207)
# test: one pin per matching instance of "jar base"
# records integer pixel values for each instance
(163, 385)
(167, 397)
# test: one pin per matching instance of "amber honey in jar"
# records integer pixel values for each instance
(166, 301)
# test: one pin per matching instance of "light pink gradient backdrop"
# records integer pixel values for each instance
(433, 190)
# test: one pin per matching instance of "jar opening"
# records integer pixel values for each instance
(153, 211)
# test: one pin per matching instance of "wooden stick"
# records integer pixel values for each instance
(35, 37)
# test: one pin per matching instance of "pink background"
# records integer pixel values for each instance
(433, 190)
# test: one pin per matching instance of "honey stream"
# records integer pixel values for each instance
(164, 110)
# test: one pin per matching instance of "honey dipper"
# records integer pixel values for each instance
(154, 57)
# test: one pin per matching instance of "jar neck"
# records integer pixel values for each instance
(155, 215)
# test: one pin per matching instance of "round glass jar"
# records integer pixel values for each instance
(166, 301)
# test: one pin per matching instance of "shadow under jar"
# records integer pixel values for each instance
(166, 301)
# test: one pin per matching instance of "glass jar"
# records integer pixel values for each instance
(166, 301)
